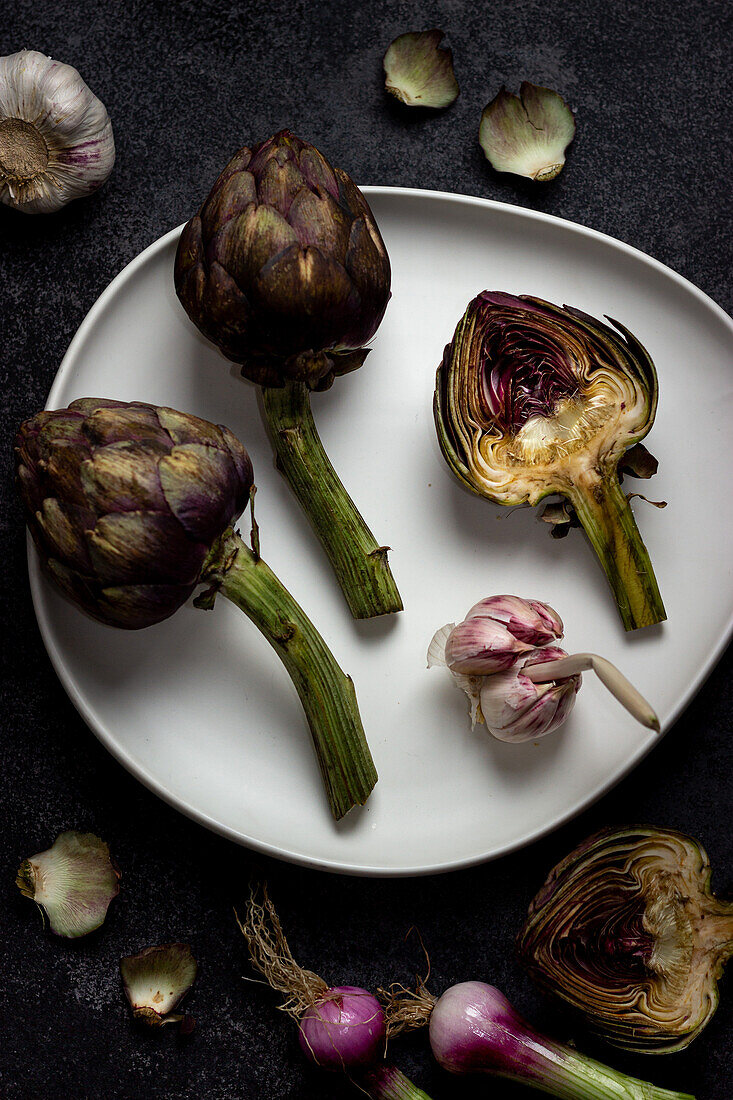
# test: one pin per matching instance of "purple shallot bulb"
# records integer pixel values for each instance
(340, 1028)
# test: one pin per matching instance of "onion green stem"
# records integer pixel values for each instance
(359, 562)
(389, 1083)
(326, 692)
(604, 511)
(607, 673)
(571, 1076)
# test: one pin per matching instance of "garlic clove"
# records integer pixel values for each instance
(527, 134)
(56, 141)
(515, 709)
(479, 646)
(156, 980)
(419, 72)
(73, 882)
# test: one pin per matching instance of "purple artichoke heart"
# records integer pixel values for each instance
(284, 268)
(125, 500)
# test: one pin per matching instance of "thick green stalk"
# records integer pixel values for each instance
(604, 511)
(388, 1083)
(561, 1072)
(359, 562)
(326, 692)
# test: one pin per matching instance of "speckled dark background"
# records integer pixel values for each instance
(187, 83)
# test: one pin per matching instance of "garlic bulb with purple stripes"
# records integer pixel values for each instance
(56, 140)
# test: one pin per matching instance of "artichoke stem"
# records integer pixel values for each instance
(326, 692)
(359, 562)
(604, 511)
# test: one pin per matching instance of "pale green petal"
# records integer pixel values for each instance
(527, 134)
(419, 72)
(157, 979)
(73, 881)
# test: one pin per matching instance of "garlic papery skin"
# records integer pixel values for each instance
(56, 141)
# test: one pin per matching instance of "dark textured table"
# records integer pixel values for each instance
(185, 84)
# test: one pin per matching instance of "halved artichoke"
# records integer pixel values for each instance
(534, 399)
(626, 929)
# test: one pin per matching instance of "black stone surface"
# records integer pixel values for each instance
(187, 83)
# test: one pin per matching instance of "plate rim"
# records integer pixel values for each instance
(105, 735)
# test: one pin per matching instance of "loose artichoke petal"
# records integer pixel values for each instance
(73, 882)
(419, 72)
(156, 980)
(527, 134)
(626, 930)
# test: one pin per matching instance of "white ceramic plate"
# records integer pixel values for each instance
(199, 708)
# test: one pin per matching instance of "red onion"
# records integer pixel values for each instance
(344, 1028)
(474, 1029)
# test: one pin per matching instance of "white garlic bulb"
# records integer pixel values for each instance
(56, 140)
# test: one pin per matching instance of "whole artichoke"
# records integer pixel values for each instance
(125, 501)
(284, 269)
(131, 506)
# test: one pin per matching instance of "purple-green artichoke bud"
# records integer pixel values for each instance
(534, 399)
(283, 268)
(124, 501)
(627, 930)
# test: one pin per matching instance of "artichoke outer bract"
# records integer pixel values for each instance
(527, 134)
(73, 882)
(419, 72)
(626, 930)
(155, 982)
(534, 399)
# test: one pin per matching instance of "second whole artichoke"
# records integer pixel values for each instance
(285, 270)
